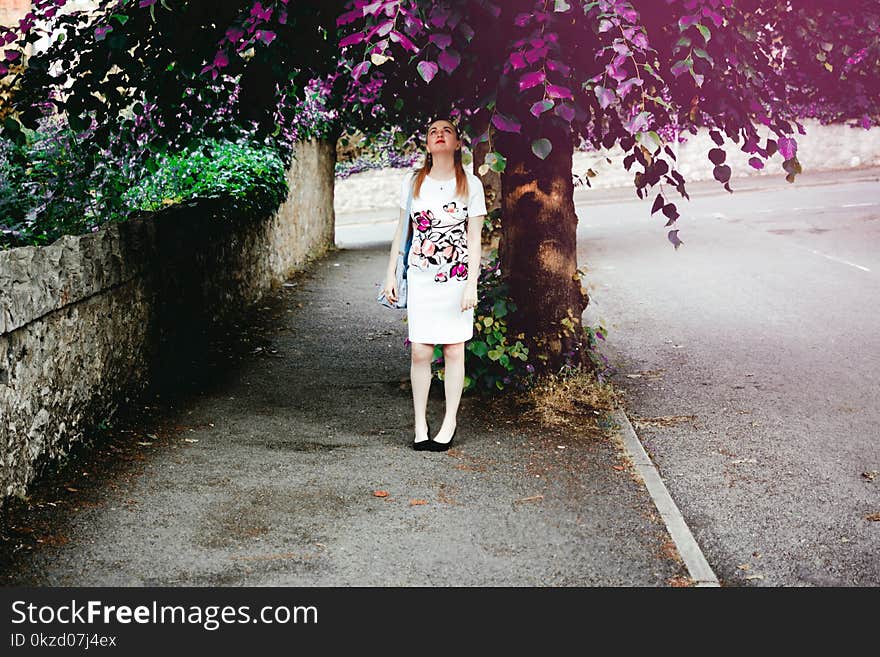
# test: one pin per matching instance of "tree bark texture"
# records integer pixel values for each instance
(538, 252)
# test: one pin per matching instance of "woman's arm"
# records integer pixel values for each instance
(475, 252)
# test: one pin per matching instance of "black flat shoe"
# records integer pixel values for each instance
(442, 447)
(423, 445)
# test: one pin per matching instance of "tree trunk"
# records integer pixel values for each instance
(538, 251)
(491, 186)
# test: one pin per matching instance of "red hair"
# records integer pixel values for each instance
(461, 183)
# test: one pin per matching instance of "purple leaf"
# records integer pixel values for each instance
(266, 36)
(517, 60)
(756, 163)
(717, 156)
(658, 203)
(220, 60)
(673, 237)
(605, 96)
(686, 21)
(427, 70)
(787, 147)
(640, 41)
(541, 106)
(532, 79)
(350, 40)
(536, 54)
(448, 59)
(556, 65)
(521, 20)
(624, 87)
(404, 41)
(721, 173)
(360, 69)
(565, 112)
(681, 66)
(558, 91)
(505, 123)
(350, 17)
(638, 122)
(441, 40)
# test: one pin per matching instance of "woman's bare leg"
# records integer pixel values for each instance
(453, 384)
(420, 376)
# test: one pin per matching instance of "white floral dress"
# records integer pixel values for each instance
(438, 260)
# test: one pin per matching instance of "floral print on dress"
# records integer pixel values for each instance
(439, 244)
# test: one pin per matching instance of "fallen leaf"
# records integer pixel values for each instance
(145, 444)
(743, 566)
(870, 475)
(533, 498)
(72, 489)
(755, 577)
(417, 502)
(191, 440)
(619, 467)
(380, 493)
(873, 517)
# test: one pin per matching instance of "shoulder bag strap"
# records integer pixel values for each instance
(405, 252)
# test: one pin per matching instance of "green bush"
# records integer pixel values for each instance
(494, 360)
(252, 176)
(52, 186)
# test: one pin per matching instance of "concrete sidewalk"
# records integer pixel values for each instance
(265, 473)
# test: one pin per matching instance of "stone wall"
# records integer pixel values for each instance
(87, 323)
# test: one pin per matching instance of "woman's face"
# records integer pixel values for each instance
(442, 137)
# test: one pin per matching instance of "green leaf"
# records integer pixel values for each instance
(704, 31)
(500, 308)
(699, 52)
(478, 348)
(542, 147)
(122, 18)
(561, 5)
(499, 163)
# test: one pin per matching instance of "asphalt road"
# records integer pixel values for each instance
(751, 357)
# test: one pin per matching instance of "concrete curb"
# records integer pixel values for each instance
(699, 569)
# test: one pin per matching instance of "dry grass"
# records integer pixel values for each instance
(576, 400)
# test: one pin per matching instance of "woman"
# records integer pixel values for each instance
(447, 213)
